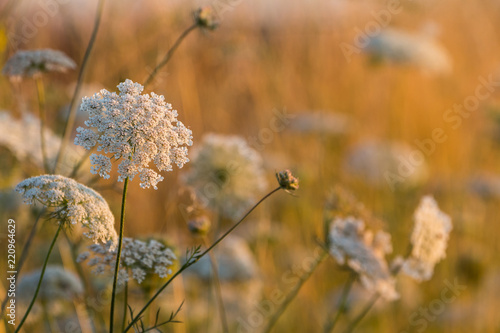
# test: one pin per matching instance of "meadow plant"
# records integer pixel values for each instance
(32, 63)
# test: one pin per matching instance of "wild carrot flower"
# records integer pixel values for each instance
(205, 17)
(139, 259)
(227, 174)
(352, 245)
(429, 240)
(287, 180)
(136, 129)
(36, 62)
(57, 284)
(73, 203)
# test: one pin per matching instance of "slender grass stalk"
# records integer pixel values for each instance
(125, 309)
(330, 324)
(293, 293)
(118, 256)
(41, 109)
(70, 120)
(24, 254)
(217, 289)
(169, 54)
(41, 278)
(189, 263)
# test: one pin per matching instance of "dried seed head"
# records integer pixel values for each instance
(205, 17)
(287, 181)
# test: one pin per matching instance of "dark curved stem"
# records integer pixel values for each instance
(118, 255)
(70, 121)
(189, 263)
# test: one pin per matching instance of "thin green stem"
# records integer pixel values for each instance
(189, 263)
(118, 256)
(125, 309)
(24, 254)
(70, 121)
(41, 278)
(218, 290)
(169, 54)
(293, 293)
(330, 325)
(41, 109)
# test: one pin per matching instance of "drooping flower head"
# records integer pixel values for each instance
(227, 174)
(137, 129)
(429, 240)
(57, 284)
(142, 259)
(36, 62)
(73, 203)
(352, 245)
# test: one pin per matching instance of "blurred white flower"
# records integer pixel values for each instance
(57, 284)
(22, 138)
(143, 259)
(227, 174)
(320, 122)
(72, 202)
(136, 129)
(235, 261)
(429, 240)
(36, 62)
(380, 163)
(352, 245)
(417, 49)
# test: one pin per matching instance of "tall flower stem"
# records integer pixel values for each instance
(118, 256)
(41, 279)
(24, 254)
(330, 325)
(41, 109)
(189, 263)
(169, 54)
(293, 293)
(218, 289)
(70, 121)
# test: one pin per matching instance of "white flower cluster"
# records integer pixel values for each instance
(364, 253)
(57, 284)
(429, 240)
(227, 174)
(140, 258)
(138, 129)
(22, 138)
(73, 202)
(35, 62)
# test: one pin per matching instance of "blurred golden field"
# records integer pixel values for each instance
(286, 57)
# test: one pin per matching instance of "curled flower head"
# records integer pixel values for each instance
(140, 260)
(73, 203)
(287, 181)
(137, 129)
(364, 253)
(205, 18)
(36, 62)
(57, 284)
(226, 174)
(429, 240)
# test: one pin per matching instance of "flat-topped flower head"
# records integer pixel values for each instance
(429, 240)
(352, 245)
(140, 260)
(227, 174)
(73, 203)
(57, 284)
(137, 129)
(36, 62)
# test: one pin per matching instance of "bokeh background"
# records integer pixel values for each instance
(347, 116)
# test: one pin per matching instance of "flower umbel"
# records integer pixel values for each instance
(287, 181)
(138, 129)
(429, 240)
(36, 62)
(141, 259)
(73, 202)
(364, 253)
